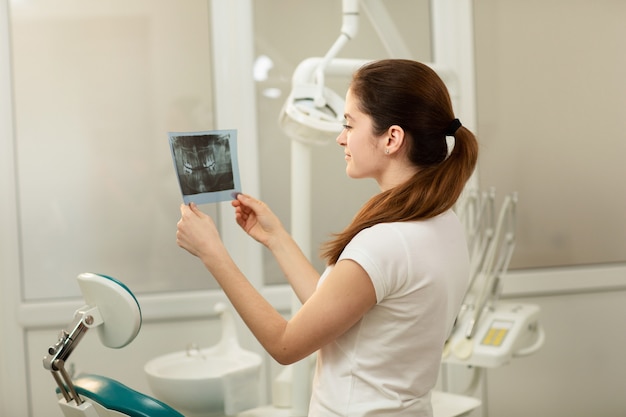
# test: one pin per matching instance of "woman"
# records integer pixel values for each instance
(380, 313)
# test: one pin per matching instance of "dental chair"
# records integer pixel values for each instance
(113, 309)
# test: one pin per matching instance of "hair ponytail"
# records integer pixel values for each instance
(413, 96)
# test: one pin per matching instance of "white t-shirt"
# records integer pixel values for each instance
(387, 363)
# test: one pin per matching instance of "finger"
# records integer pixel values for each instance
(240, 221)
(252, 204)
(196, 210)
(241, 216)
(179, 238)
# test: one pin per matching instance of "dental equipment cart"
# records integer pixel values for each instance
(112, 309)
(489, 333)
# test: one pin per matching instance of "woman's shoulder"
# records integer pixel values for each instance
(445, 219)
(419, 233)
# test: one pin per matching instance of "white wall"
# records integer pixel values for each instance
(13, 392)
(580, 370)
(35, 306)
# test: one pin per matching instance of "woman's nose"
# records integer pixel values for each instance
(341, 139)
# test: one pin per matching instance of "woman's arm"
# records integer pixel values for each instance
(256, 219)
(346, 294)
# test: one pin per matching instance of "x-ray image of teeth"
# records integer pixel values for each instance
(206, 165)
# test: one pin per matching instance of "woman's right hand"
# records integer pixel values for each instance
(256, 219)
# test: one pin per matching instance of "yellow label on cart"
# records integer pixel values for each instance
(497, 332)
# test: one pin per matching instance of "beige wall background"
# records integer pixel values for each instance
(552, 124)
(551, 101)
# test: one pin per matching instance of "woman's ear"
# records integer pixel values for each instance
(394, 139)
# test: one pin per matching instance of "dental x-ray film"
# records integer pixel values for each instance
(206, 165)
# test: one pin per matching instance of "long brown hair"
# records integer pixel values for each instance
(411, 95)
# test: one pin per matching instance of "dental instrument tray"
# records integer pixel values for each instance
(113, 309)
(489, 333)
(506, 331)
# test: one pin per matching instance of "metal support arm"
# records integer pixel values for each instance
(58, 354)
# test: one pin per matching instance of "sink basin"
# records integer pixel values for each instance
(216, 381)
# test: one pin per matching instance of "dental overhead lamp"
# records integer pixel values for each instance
(313, 113)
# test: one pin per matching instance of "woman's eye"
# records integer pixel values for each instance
(347, 127)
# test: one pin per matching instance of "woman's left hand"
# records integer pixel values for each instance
(196, 232)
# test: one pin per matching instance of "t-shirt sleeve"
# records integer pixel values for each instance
(381, 252)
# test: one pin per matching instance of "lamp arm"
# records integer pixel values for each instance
(349, 29)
